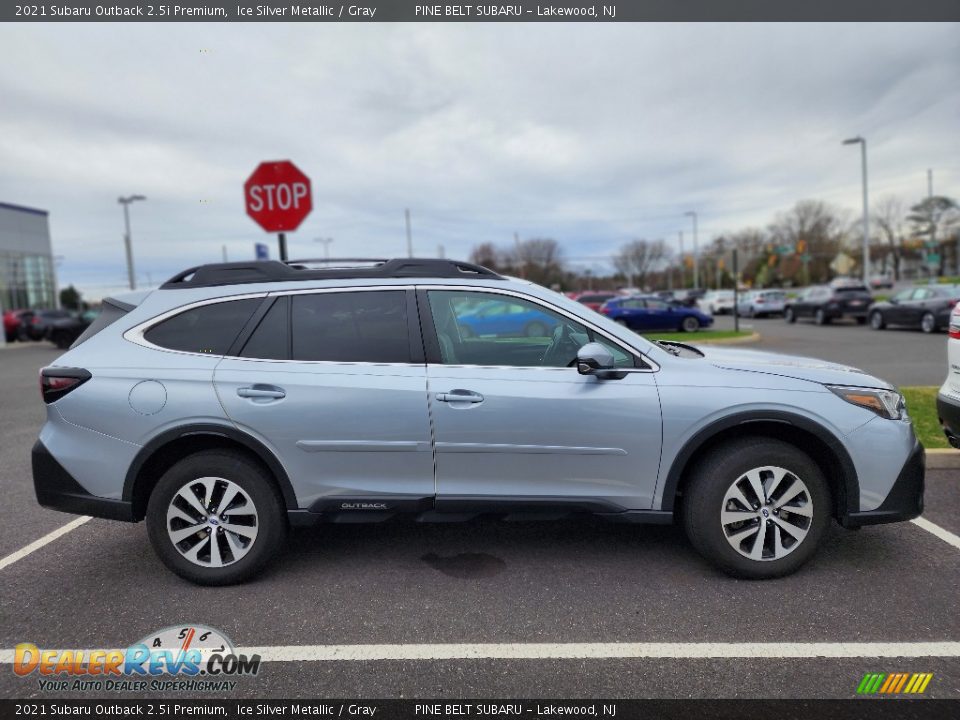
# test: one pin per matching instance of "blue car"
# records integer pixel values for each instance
(649, 312)
(502, 318)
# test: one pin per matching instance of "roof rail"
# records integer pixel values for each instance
(260, 271)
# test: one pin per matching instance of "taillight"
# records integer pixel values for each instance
(604, 309)
(57, 382)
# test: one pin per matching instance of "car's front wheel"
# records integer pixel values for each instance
(821, 317)
(789, 316)
(876, 320)
(757, 508)
(928, 323)
(215, 518)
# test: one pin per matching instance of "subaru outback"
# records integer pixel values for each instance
(240, 399)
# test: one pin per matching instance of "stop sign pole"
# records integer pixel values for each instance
(278, 197)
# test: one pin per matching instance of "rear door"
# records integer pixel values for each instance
(334, 382)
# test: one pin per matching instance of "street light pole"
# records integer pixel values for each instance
(326, 246)
(125, 201)
(696, 259)
(866, 218)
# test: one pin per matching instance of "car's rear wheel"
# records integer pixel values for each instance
(928, 323)
(61, 340)
(756, 508)
(621, 321)
(215, 518)
(821, 317)
(876, 320)
(789, 315)
(690, 324)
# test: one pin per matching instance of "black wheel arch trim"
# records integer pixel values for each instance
(249, 442)
(848, 503)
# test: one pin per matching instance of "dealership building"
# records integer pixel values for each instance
(26, 259)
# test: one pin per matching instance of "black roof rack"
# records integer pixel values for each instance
(260, 271)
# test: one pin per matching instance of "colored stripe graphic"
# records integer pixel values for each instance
(894, 683)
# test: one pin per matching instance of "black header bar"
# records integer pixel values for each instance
(517, 11)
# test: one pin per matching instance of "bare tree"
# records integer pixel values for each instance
(888, 217)
(539, 260)
(486, 254)
(932, 217)
(815, 226)
(638, 258)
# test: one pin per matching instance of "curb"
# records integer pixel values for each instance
(942, 459)
(729, 341)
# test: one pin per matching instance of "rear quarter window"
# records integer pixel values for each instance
(208, 329)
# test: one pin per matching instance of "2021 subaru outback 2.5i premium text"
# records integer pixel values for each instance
(241, 398)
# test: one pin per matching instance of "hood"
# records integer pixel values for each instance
(793, 366)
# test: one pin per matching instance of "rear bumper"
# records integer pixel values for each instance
(948, 411)
(903, 502)
(58, 490)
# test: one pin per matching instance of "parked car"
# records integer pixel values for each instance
(11, 324)
(649, 312)
(688, 298)
(716, 302)
(34, 323)
(594, 300)
(762, 303)
(948, 398)
(241, 398)
(927, 308)
(63, 331)
(824, 303)
(881, 282)
(504, 319)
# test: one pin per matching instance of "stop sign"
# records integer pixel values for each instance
(277, 196)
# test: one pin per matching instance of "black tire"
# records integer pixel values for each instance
(928, 323)
(789, 316)
(621, 321)
(689, 324)
(61, 340)
(821, 317)
(254, 480)
(876, 320)
(535, 329)
(703, 501)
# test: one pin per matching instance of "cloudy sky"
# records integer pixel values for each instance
(590, 134)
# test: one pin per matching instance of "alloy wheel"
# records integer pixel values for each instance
(928, 323)
(212, 522)
(766, 513)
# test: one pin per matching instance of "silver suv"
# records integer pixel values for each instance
(242, 398)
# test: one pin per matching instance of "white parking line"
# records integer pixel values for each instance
(597, 651)
(45, 540)
(933, 529)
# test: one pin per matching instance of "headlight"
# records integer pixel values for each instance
(885, 403)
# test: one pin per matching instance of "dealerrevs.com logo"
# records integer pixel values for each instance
(178, 659)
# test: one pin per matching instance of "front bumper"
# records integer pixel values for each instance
(58, 490)
(903, 502)
(948, 411)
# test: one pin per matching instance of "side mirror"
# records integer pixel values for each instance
(594, 359)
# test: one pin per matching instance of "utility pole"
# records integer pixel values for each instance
(929, 183)
(406, 214)
(224, 249)
(522, 265)
(696, 259)
(128, 243)
(326, 246)
(683, 264)
(866, 218)
(441, 252)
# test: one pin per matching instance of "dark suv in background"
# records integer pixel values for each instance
(842, 298)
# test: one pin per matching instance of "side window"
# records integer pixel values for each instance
(903, 295)
(271, 339)
(631, 304)
(351, 326)
(656, 304)
(489, 329)
(205, 329)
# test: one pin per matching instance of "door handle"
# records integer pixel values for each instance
(460, 396)
(265, 392)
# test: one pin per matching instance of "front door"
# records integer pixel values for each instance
(514, 422)
(332, 383)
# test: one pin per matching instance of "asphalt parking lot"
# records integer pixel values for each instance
(534, 586)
